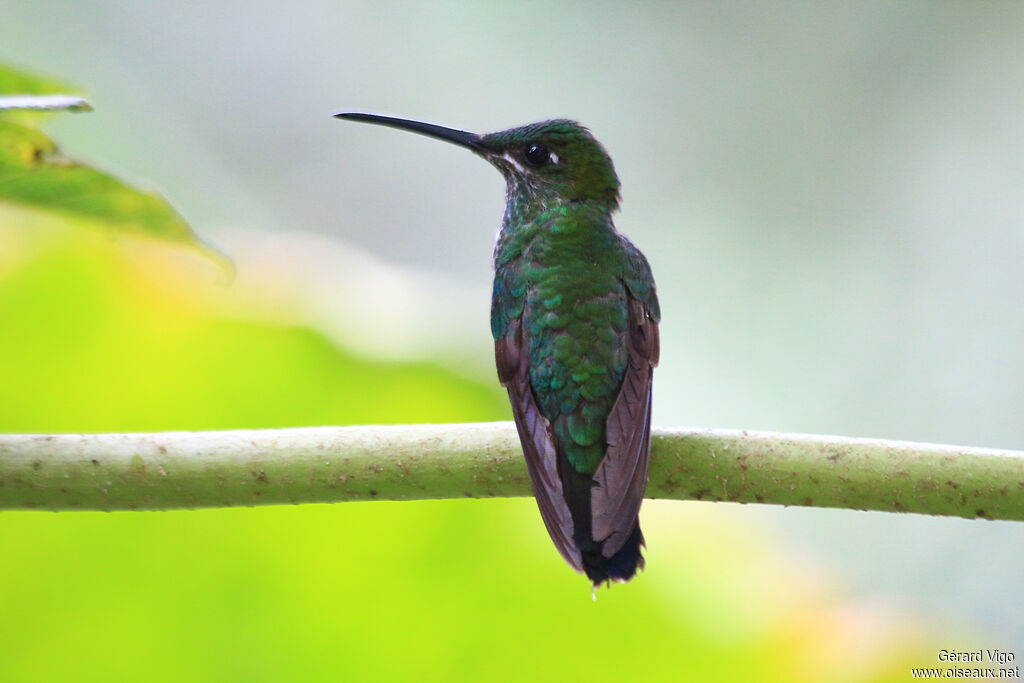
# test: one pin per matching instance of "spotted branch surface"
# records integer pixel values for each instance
(416, 462)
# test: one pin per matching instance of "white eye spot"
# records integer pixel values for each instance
(553, 158)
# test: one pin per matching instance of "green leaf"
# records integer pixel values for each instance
(35, 175)
(14, 81)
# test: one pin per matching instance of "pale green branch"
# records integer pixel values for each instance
(329, 464)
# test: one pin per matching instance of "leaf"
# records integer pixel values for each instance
(13, 82)
(34, 173)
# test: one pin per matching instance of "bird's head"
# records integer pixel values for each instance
(551, 161)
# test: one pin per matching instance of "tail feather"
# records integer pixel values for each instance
(621, 566)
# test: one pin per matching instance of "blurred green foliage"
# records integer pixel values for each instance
(15, 81)
(91, 345)
(34, 173)
(116, 335)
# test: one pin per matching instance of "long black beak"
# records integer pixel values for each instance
(457, 137)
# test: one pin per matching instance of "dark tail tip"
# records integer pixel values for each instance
(622, 566)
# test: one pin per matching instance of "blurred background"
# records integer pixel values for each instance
(829, 195)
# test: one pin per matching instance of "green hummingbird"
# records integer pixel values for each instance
(574, 316)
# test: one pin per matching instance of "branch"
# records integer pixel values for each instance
(329, 464)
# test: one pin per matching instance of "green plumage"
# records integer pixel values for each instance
(561, 266)
(572, 301)
(574, 315)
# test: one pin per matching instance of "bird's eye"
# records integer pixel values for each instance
(537, 155)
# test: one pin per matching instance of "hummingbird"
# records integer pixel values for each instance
(574, 316)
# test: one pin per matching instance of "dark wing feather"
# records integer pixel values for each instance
(622, 476)
(538, 443)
